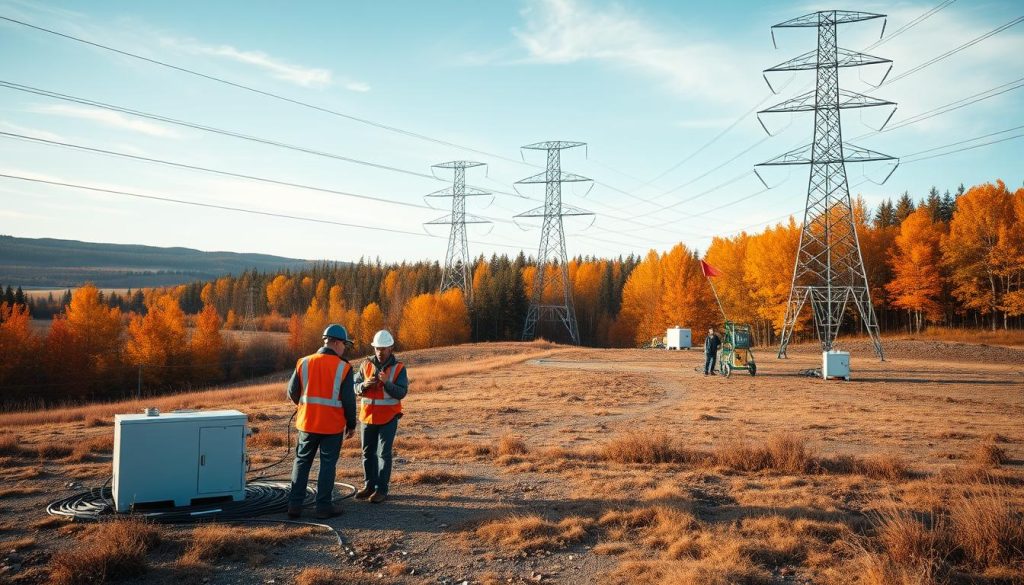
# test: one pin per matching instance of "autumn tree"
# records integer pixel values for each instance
(917, 282)
(19, 347)
(971, 252)
(158, 341)
(771, 256)
(434, 319)
(96, 328)
(206, 346)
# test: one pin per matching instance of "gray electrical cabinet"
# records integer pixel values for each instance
(178, 457)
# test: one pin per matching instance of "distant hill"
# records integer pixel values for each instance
(48, 262)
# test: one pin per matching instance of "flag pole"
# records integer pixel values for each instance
(718, 300)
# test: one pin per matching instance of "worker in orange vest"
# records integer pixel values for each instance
(322, 388)
(381, 383)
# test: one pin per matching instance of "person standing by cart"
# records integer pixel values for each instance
(711, 344)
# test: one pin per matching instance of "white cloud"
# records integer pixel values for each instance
(278, 68)
(358, 86)
(567, 31)
(33, 132)
(297, 74)
(109, 118)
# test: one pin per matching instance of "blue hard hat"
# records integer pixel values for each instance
(335, 331)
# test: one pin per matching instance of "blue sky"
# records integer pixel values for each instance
(645, 84)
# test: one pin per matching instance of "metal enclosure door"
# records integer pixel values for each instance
(220, 459)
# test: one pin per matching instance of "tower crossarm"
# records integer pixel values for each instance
(806, 103)
(844, 58)
(566, 211)
(448, 219)
(560, 177)
(450, 192)
(553, 145)
(804, 156)
(837, 17)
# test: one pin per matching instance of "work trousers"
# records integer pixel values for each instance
(305, 450)
(378, 441)
(709, 364)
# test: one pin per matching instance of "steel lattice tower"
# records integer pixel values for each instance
(829, 271)
(249, 320)
(552, 298)
(457, 263)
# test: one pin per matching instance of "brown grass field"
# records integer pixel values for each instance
(538, 463)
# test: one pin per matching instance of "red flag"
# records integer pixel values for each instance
(709, 270)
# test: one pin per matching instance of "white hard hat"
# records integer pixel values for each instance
(383, 338)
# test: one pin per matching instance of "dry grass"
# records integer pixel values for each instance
(49, 523)
(531, 533)
(257, 394)
(331, 576)
(647, 448)
(998, 337)
(888, 467)
(19, 491)
(268, 439)
(510, 444)
(433, 476)
(989, 454)
(112, 550)
(17, 545)
(988, 528)
(213, 542)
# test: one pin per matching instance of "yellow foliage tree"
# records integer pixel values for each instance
(972, 251)
(917, 282)
(158, 340)
(206, 345)
(96, 328)
(434, 319)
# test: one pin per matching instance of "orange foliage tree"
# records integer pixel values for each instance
(434, 319)
(206, 346)
(19, 347)
(972, 252)
(917, 282)
(158, 340)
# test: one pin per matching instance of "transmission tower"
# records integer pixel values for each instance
(829, 271)
(552, 297)
(457, 263)
(249, 320)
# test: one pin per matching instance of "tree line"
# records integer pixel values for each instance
(955, 259)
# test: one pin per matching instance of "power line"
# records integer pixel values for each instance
(972, 147)
(205, 169)
(236, 209)
(952, 52)
(220, 131)
(921, 18)
(261, 92)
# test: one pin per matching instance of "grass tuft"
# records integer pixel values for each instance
(214, 542)
(113, 550)
(531, 533)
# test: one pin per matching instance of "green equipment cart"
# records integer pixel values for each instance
(735, 353)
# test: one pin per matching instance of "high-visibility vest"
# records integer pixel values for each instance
(376, 407)
(320, 408)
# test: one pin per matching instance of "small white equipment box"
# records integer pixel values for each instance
(178, 456)
(678, 338)
(835, 364)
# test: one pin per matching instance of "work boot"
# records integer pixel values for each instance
(294, 512)
(364, 493)
(378, 497)
(325, 513)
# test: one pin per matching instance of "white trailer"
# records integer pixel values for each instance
(678, 338)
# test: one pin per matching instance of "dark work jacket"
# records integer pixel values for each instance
(711, 344)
